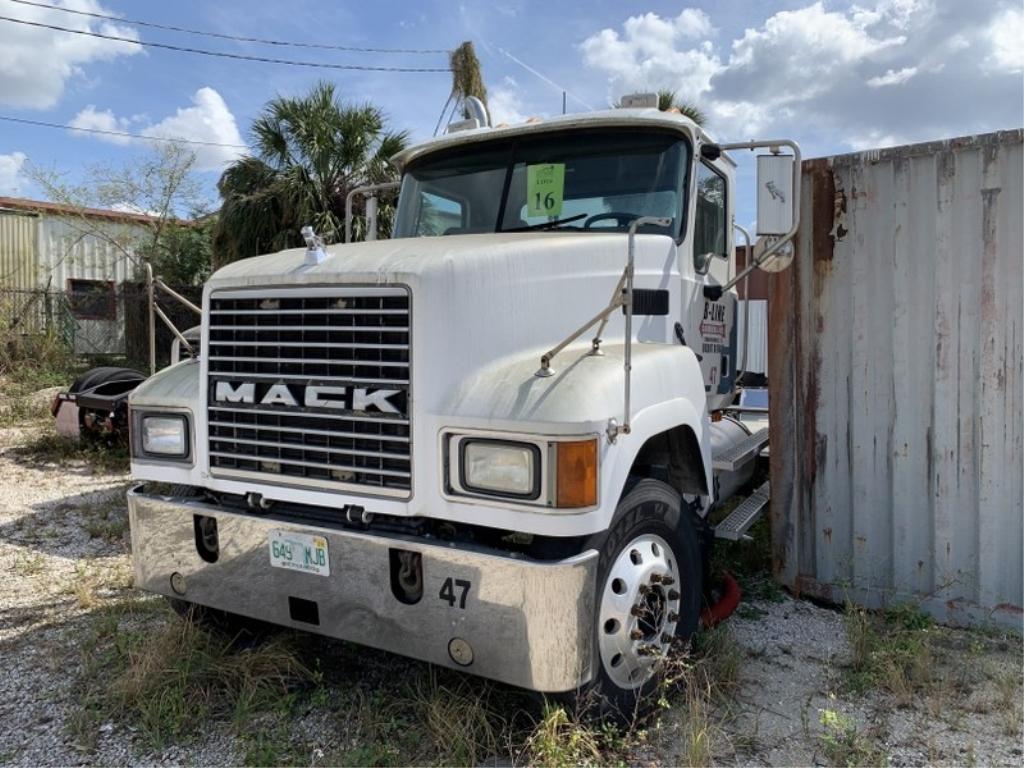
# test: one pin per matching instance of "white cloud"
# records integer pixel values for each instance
(1006, 35)
(892, 77)
(38, 63)
(505, 103)
(883, 71)
(92, 119)
(10, 173)
(651, 54)
(207, 120)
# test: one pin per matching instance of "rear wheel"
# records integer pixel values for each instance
(648, 595)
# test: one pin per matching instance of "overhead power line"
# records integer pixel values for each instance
(104, 132)
(223, 54)
(238, 38)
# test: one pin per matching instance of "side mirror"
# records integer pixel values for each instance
(774, 194)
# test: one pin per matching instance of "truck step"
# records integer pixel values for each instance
(735, 526)
(740, 453)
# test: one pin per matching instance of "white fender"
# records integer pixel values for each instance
(585, 392)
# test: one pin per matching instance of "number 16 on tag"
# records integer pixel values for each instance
(545, 188)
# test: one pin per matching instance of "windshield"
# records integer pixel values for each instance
(597, 181)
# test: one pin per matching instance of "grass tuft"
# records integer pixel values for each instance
(844, 744)
(48, 447)
(892, 651)
(169, 676)
(560, 740)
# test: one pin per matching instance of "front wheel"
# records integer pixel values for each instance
(648, 595)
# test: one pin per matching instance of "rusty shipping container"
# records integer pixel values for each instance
(895, 367)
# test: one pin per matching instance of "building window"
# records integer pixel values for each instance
(92, 299)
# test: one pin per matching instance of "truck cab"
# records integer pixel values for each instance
(488, 442)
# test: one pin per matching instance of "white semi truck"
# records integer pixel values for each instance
(492, 441)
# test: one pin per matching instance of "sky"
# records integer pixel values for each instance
(835, 76)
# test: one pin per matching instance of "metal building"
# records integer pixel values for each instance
(895, 368)
(85, 254)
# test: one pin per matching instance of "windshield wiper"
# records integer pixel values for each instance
(547, 224)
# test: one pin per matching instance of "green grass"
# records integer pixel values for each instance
(47, 447)
(844, 744)
(167, 677)
(143, 668)
(892, 650)
(108, 520)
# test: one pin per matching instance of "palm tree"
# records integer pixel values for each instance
(667, 102)
(310, 151)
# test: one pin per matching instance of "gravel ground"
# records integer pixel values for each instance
(64, 559)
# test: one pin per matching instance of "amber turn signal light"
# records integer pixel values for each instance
(577, 474)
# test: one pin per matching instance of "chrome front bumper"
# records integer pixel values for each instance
(525, 622)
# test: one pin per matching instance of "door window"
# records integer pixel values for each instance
(709, 235)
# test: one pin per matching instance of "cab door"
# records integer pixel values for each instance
(713, 321)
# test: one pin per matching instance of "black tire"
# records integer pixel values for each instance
(649, 511)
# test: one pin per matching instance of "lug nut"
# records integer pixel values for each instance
(673, 616)
(673, 594)
(655, 578)
(636, 610)
(668, 581)
(636, 634)
(644, 589)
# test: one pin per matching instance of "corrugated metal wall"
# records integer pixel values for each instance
(19, 254)
(895, 367)
(72, 249)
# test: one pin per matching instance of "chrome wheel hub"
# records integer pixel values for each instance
(639, 610)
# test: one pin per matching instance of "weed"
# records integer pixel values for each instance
(48, 447)
(84, 588)
(166, 679)
(892, 651)
(1008, 691)
(457, 719)
(707, 677)
(843, 744)
(270, 747)
(559, 740)
(28, 563)
(108, 520)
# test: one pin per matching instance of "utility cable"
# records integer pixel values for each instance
(222, 36)
(222, 54)
(104, 132)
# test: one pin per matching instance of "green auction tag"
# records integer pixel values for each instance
(545, 189)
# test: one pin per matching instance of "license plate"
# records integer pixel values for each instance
(299, 552)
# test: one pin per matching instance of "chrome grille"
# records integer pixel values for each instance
(308, 379)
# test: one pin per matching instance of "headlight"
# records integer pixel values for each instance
(553, 472)
(164, 435)
(500, 468)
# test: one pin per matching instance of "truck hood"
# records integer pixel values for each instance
(479, 300)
